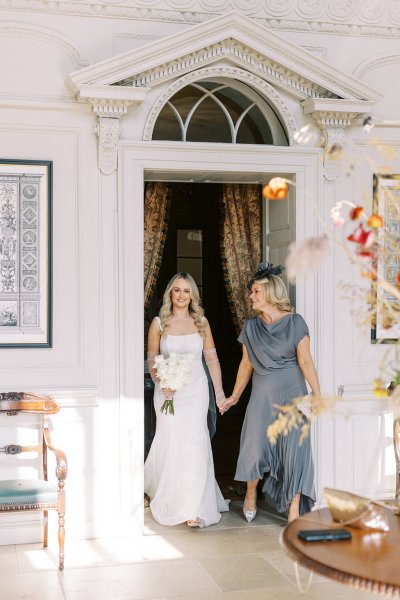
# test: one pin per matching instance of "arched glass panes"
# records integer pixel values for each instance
(215, 111)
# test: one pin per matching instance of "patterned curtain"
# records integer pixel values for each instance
(156, 210)
(241, 236)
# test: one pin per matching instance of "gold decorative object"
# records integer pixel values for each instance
(356, 511)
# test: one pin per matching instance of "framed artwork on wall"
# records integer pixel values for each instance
(25, 253)
(386, 202)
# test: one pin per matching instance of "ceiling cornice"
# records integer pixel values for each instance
(332, 17)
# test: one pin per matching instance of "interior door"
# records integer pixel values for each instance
(280, 231)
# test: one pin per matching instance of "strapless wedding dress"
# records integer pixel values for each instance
(179, 470)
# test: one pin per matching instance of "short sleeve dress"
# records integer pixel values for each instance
(277, 380)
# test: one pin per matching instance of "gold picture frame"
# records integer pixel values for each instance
(386, 314)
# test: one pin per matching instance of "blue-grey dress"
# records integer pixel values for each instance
(277, 379)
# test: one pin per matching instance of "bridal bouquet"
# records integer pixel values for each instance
(173, 373)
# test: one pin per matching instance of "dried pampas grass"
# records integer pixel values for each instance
(305, 257)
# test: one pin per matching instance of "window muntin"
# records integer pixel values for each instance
(213, 111)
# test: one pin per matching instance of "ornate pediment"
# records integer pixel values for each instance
(233, 40)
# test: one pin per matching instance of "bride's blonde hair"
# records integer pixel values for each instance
(275, 292)
(195, 309)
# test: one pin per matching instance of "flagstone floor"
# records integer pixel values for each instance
(229, 561)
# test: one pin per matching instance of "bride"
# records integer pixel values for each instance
(179, 470)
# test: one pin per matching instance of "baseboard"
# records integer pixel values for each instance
(21, 529)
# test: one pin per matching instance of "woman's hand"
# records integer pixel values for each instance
(220, 399)
(231, 401)
(168, 393)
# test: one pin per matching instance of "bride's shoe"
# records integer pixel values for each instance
(193, 523)
(250, 514)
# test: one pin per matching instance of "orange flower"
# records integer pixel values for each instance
(276, 189)
(369, 275)
(375, 221)
(398, 280)
(356, 213)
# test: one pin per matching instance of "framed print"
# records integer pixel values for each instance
(25, 253)
(386, 202)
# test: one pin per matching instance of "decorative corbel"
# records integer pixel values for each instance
(108, 112)
(332, 126)
(332, 116)
(109, 103)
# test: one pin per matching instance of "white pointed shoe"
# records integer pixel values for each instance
(249, 514)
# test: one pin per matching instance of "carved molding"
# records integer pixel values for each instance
(376, 62)
(332, 126)
(350, 17)
(245, 76)
(106, 107)
(108, 130)
(231, 39)
(108, 110)
(240, 54)
(18, 30)
(332, 117)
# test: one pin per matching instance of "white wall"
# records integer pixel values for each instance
(101, 418)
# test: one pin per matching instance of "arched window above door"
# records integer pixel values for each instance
(219, 111)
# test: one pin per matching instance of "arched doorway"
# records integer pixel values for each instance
(216, 110)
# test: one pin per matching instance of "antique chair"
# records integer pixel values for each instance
(35, 494)
(396, 441)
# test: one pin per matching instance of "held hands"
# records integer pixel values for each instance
(231, 401)
(220, 399)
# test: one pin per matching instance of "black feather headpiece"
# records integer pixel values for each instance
(263, 271)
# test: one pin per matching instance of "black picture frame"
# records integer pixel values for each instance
(26, 196)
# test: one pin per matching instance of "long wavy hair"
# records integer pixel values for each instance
(275, 293)
(195, 310)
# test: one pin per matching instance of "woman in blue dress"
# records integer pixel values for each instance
(276, 355)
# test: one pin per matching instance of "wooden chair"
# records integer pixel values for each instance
(35, 494)
(396, 441)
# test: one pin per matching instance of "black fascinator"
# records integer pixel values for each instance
(263, 271)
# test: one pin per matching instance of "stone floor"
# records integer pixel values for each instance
(229, 561)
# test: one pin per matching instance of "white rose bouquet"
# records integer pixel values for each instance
(173, 373)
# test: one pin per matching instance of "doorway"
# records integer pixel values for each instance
(193, 245)
(201, 163)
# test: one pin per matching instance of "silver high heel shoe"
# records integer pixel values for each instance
(250, 514)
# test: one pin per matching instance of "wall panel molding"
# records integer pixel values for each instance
(43, 34)
(32, 135)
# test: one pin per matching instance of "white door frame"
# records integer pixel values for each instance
(210, 162)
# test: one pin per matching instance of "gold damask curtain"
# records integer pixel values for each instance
(156, 209)
(241, 237)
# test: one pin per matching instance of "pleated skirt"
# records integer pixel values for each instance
(288, 463)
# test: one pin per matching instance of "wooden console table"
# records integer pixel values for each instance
(369, 561)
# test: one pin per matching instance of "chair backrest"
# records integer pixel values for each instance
(14, 403)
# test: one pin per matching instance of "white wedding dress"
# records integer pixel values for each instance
(179, 470)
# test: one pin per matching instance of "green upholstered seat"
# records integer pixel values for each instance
(35, 494)
(27, 492)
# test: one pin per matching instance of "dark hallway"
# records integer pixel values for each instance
(195, 216)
